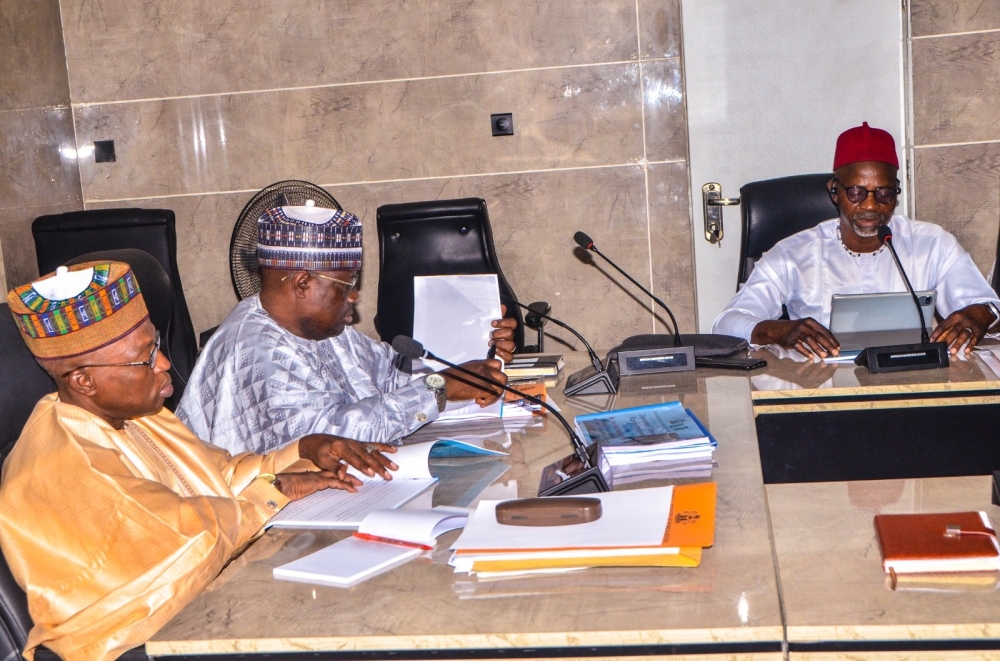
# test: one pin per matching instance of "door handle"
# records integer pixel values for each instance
(712, 201)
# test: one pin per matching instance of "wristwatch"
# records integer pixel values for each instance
(436, 383)
(996, 316)
(271, 479)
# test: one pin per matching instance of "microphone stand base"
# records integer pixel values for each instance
(569, 477)
(904, 357)
(589, 381)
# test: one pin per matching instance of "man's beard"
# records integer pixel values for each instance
(866, 232)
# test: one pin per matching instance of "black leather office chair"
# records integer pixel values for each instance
(443, 237)
(61, 238)
(774, 209)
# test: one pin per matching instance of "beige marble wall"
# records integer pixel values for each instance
(38, 168)
(386, 101)
(956, 120)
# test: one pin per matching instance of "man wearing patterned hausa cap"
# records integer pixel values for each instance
(113, 515)
(287, 362)
(845, 256)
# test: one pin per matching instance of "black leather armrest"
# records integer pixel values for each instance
(205, 336)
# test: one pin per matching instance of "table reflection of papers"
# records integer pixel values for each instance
(793, 371)
(618, 579)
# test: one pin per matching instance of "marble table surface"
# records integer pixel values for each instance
(731, 598)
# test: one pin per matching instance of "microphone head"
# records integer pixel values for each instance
(407, 346)
(884, 233)
(583, 241)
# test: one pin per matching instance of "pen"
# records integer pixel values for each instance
(397, 542)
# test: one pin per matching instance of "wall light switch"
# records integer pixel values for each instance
(503, 123)
(104, 151)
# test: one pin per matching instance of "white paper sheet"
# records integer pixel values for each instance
(453, 314)
(630, 518)
(346, 563)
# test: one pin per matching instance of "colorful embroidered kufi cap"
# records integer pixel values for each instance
(77, 309)
(310, 238)
(863, 143)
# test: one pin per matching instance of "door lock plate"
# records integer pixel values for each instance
(712, 200)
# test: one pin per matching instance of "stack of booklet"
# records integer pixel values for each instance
(656, 441)
(658, 527)
(540, 368)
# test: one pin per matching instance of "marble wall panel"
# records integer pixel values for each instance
(663, 101)
(956, 89)
(37, 161)
(959, 189)
(19, 261)
(949, 16)
(533, 216)
(582, 116)
(660, 28)
(32, 60)
(671, 246)
(121, 49)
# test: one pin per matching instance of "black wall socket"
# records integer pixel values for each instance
(503, 123)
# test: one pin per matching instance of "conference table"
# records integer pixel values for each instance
(795, 571)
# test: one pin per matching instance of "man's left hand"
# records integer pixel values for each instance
(966, 326)
(327, 452)
(503, 337)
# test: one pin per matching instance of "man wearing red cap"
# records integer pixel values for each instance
(844, 255)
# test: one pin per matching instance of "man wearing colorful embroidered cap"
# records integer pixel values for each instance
(845, 256)
(113, 516)
(286, 362)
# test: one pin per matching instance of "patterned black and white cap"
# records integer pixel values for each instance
(309, 237)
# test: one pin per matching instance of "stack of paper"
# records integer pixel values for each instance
(659, 527)
(656, 433)
(386, 539)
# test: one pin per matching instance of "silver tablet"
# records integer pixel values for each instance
(858, 313)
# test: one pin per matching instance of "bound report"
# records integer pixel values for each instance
(930, 543)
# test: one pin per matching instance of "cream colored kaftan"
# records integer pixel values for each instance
(112, 532)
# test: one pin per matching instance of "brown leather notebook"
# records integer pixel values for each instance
(952, 542)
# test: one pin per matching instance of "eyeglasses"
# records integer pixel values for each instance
(883, 195)
(151, 362)
(348, 286)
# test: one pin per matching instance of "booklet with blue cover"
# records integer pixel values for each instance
(666, 430)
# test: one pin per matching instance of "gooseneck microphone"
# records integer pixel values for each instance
(587, 243)
(588, 480)
(595, 361)
(885, 237)
(904, 357)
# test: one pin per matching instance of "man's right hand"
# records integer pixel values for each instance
(460, 387)
(807, 336)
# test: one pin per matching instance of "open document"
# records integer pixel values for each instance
(335, 508)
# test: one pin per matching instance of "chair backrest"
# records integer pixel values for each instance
(61, 238)
(775, 209)
(24, 382)
(443, 237)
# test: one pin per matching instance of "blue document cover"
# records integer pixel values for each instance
(656, 426)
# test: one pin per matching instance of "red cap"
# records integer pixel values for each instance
(863, 143)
